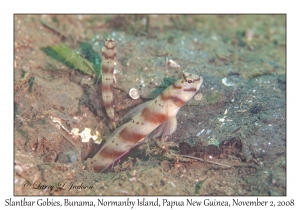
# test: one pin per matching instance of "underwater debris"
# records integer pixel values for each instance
(211, 152)
(198, 97)
(71, 57)
(200, 159)
(133, 93)
(226, 83)
(86, 135)
(172, 63)
(202, 131)
(255, 109)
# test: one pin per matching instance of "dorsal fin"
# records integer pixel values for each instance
(135, 111)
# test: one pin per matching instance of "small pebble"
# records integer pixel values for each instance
(202, 131)
(198, 97)
(132, 179)
(133, 93)
(226, 83)
(249, 34)
(173, 64)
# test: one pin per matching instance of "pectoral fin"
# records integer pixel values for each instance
(166, 129)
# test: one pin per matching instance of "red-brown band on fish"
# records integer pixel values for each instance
(108, 53)
(107, 66)
(176, 86)
(190, 89)
(176, 100)
(153, 117)
(111, 154)
(131, 136)
(107, 88)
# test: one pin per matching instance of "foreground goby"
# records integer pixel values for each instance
(159, 115)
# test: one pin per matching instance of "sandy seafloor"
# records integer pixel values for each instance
(239, 121)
